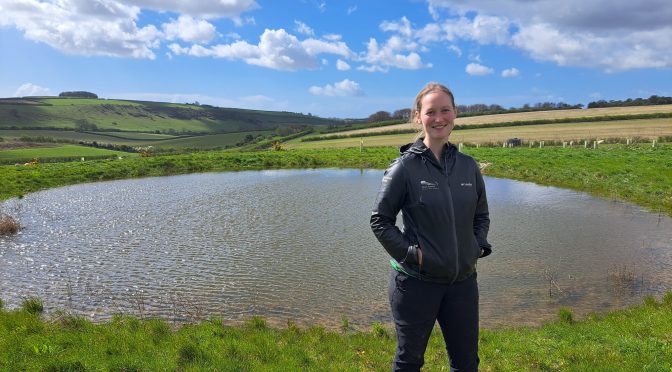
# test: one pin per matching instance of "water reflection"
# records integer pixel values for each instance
(296, 245)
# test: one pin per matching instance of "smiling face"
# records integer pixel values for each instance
(436, 115)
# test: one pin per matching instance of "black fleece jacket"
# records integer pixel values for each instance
(445, 213)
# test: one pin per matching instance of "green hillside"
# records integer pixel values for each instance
(140, 116)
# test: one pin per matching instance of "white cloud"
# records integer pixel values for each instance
(352, 9)
(343, 88)
(455, 49)
(303, 28)
(607, 34)
(110, 27)
(478, 69)
(277, 49)
(510, 72)
(83, 27)
(403, 27)
(332, 37)
(482, 29)
(390, 54)
(196, 8)
(342, 65)
(189, 29)
(30, 89)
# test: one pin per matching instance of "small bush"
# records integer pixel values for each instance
(2, 304)
(33, 305)
(565, 315)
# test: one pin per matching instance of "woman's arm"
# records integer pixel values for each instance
(389, 202)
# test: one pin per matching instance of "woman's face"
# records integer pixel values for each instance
(437, 115)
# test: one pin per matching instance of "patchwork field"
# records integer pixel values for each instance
(644, 129)
(535, 115)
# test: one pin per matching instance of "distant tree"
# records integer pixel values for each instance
(402, 114)
(78, 94)
(379, 116)
(83, 125)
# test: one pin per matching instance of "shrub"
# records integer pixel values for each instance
(33, 305)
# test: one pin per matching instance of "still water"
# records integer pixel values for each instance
(296, 245)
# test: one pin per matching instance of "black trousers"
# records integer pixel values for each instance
(417, 305)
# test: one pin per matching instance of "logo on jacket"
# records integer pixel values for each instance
(429, 185)
(466, 184)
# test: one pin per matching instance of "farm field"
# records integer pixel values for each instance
(137, 139)
(644, 128)
(57, 151)
(535, 115)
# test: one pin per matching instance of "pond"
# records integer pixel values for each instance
(296, 245)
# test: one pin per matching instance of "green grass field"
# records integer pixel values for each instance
(636, 339)
(142, 116)
(58, 152)
(137, 139)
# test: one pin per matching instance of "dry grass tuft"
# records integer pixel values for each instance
(9, 225)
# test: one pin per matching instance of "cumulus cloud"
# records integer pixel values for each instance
(478, 69)
(396, 52)
(343, 88)
(189, 29)
(510, 72)
(629, 35)
(110, 27)
(342, 65)
(277, 49)
(30, 89)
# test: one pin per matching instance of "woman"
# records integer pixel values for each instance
(441, 194)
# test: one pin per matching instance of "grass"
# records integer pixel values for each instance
(57, 151)
(639, 174)
(639, 338)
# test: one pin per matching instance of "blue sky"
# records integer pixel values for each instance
(345, 59)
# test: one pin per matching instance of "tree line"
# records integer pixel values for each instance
(653, 100)
(78, 94)
(483, 109)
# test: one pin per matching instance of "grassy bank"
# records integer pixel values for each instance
(639, 338)
(637, 174)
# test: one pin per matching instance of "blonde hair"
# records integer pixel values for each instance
(431, 87)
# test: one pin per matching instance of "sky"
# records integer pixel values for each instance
(341, 59)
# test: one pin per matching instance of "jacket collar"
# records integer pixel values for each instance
(420, 149)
